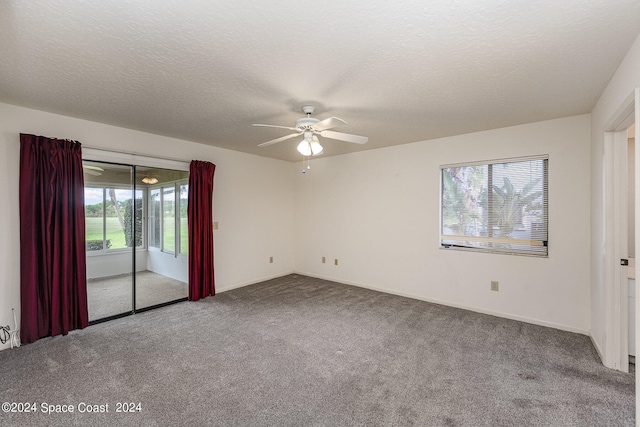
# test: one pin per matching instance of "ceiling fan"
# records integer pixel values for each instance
(310, 128)
(92, 170)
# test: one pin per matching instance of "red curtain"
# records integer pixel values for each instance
(53, 285)
(200, 217)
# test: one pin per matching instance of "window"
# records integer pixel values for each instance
(154, 218)
(168, 218)
(184, 229)
(109, 218)
(496, 206)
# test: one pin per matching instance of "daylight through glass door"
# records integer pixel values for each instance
(135, 222)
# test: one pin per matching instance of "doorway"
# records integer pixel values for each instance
(631, 246)
(622, 189)
(136, 238)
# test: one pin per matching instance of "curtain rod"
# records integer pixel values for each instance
(131, 153)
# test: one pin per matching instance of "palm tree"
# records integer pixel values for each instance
(506, 206)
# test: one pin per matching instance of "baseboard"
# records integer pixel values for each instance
(251, 282)
(449, 304)
(597, 347)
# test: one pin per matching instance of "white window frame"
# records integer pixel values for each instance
(176, 252)
(104, 188)
(498, 245)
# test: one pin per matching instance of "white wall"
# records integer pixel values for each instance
(168, 265)
(114, 263)
(253, 198)
(621, 86)
(377, 212)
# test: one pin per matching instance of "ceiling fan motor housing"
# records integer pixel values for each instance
(306, 122)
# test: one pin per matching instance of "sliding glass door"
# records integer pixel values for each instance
(107, 198)
(135, 225)
(166, 274)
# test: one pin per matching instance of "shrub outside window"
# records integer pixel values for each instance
(496, 206)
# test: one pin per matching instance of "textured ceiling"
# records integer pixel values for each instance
(397, 72)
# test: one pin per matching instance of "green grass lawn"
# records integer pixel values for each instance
(93, 228)
(116, 234)
(169, 234)
(93, 231)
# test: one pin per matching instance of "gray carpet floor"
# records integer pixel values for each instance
(111, 295)
(298, 351)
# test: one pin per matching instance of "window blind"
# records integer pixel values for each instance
(496, 206)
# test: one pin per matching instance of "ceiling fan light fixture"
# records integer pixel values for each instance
(304, 148)
(310, 146)
(316, 148)
(311, 127)
(150, 180)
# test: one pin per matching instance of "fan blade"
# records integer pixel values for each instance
(274, 126)
(329, 123)
(92, 170)
(273, 141)
(356, 139)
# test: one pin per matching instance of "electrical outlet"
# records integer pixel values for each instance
(335, 261)
(215, 225)
(270, 260)
(494, 285)
(324, 259)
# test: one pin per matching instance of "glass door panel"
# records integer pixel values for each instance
(108, 198)
(162, 273)
(136, 221)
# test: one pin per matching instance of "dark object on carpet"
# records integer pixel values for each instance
(298, 351)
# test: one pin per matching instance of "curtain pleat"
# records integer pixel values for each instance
(53, 286)
(200, 222)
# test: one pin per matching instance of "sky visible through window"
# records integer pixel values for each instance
(92, 196)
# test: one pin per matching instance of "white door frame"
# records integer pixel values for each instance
(616, 248)
(616, 354)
